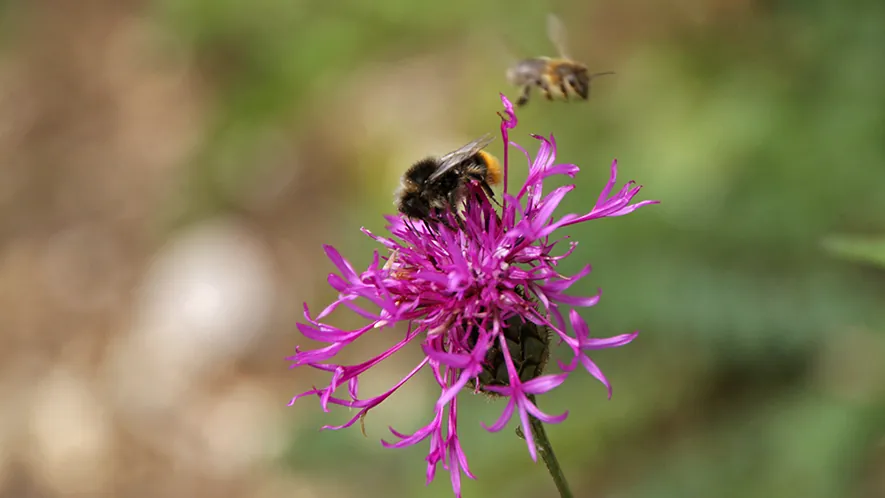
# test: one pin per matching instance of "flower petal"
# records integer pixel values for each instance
(503, 419)
(455, 281)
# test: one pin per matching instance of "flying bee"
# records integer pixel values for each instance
(558, 78)
(433, 185)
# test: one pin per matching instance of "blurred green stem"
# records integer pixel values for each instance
(547, 454)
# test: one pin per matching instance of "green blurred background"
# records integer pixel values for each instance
(169, 170)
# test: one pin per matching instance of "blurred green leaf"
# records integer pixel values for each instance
(860, 249)
(798, 446)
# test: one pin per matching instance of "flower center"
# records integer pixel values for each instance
(528, 346)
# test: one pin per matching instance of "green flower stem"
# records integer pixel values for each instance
(546, 451)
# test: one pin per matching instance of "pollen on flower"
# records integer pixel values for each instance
(483, 296)
(441, 328)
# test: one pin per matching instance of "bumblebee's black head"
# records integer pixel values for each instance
(414, 205)
(419, 196)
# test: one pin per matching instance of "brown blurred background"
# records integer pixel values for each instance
(169, 170)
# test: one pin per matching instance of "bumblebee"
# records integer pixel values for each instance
(434, 185)
(558, 78)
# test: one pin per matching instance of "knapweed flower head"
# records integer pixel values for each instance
(481, 295)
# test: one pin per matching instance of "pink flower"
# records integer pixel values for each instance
(482, 297)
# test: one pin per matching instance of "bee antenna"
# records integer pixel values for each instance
(601, 74)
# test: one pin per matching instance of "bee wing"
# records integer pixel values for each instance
(509, 49)
(452, 159)
(558, 35)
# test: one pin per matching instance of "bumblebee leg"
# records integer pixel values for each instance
(489, 192)
(524, 96)
(565, 89)
(441, 219)
(452, 206)
(430, 222)
(459, 221)
(545, 89)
